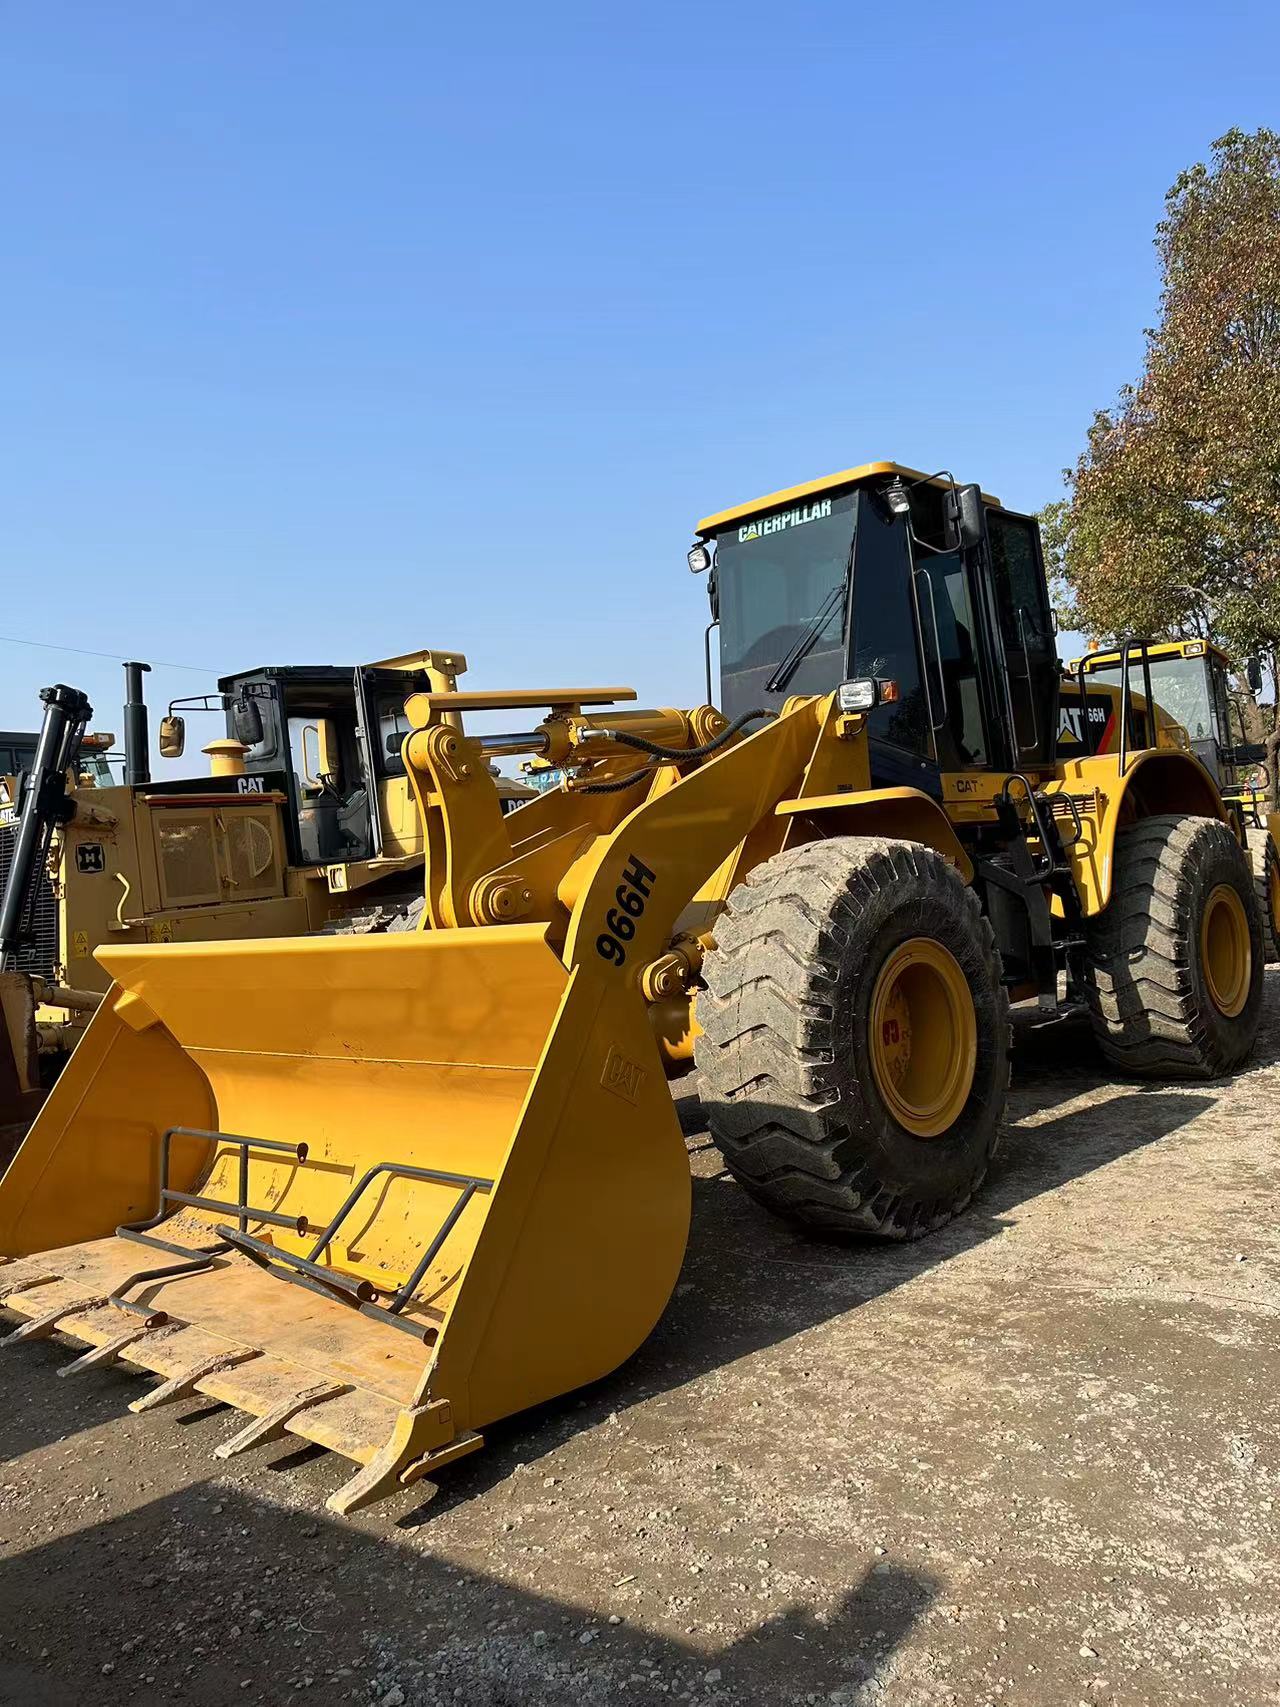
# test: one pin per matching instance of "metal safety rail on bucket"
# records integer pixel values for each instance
(362, 1294)
(466, 1167)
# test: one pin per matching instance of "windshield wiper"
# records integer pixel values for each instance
(809, 638)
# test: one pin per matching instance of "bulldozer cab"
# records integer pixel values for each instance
(334, 735)
(308, 735)
(939, 622)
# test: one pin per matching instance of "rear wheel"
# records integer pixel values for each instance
(854, 1047)
(1266, 885)
(1174, 963)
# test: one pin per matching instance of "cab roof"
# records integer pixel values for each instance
(1108, 655)
(810, 488)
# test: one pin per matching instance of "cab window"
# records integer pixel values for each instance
(1019, 590)
(393, 726)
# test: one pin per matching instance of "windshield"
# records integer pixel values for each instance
(775, 573)
(1179, 686)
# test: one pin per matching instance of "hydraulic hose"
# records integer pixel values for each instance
(667, 754)
(678, 754)
(618, 783)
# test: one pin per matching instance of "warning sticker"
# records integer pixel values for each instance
(79, 945)
(160, 931)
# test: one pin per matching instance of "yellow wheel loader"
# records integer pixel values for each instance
(1189, 688)
(306, 823)
(379, 1191)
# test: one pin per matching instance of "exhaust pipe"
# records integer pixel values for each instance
(137, 752)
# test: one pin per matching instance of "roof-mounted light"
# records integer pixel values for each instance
(699, 558)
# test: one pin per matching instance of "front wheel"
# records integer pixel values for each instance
(1173, 964)
(855, 1034)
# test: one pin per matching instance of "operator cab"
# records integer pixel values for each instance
(926, 600)
(1188, 683)
(330, 737)
(306, 729)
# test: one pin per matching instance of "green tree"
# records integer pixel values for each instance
(1172, 526)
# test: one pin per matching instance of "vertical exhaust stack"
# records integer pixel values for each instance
(137, 752)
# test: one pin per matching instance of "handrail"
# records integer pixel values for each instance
(1044, 868)
(1126, 700)
(937, 649)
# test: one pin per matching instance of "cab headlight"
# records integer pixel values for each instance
(864, 693)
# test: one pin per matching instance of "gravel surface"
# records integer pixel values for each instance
(1032, 1459)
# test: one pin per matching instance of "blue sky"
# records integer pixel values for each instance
(335, 330)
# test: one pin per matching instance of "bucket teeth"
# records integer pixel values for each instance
(10, 1288)
(98, 1356)
(179, 1385)
(272, 1424)
(40, 1327)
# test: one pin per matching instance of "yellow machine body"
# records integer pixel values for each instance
(408, 1184)
(514, 1048)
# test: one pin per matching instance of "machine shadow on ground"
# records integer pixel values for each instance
(186, 1597)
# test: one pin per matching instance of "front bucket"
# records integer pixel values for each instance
(421, 1181)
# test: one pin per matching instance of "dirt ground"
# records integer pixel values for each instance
(1032, 1459)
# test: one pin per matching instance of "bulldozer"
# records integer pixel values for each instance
(1187, 682)
(379, 1191)
(305, 823)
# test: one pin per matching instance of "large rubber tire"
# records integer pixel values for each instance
(1148, 990)
(1266, 884)
(785, 1055)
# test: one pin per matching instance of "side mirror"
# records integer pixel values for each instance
(713, 595)
(1253, 675)
(246, 722)
(971, 519)
(173, 736)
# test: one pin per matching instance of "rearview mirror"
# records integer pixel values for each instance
(246, 722)
(1253, 675)
(173, 735)
(970, 516)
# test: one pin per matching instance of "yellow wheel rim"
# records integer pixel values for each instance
(923, 1037)
(1225, 951)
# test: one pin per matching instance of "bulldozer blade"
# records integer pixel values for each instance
(21, 1093)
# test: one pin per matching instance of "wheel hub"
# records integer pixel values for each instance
(1225, 950)
(923, 1037)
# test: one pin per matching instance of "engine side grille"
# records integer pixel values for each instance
(39, 955)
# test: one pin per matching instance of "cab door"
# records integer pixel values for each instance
(1025, 619)
(381, 727)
